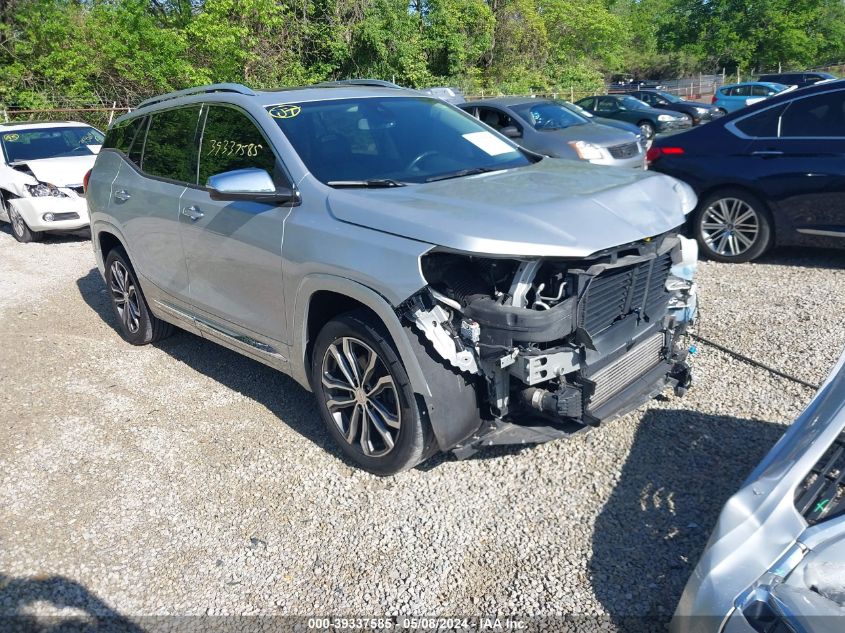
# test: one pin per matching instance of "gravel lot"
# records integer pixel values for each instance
(184, 479)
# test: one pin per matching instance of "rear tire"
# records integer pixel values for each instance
(365, 396)
(20, 230)
(732, 226)
(136, 324)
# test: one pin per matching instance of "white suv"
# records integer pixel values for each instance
(42, 167)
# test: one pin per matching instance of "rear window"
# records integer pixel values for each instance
(170, 148)
(121, 136)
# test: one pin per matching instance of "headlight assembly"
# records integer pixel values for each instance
(666, 117)
(587, 151)
(43, 189)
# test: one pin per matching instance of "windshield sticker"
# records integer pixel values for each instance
(232, 148)
(488, 143)
(11, 137)
(284, 111)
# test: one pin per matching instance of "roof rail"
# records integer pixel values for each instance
(381, 83)
(237, 88)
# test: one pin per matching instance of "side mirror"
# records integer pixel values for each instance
(511, 131)
(251, 184)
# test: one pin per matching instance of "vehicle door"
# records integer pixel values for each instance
(803, 167)
(145, 198)
(233, 249)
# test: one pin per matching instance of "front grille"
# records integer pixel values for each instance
(821, 495)
(621, 291)
(626, 150)
(626, 369)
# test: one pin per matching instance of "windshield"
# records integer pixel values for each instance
(633, 104)
(548, 115)
(394, 139)
(669, 97)
(51, 143)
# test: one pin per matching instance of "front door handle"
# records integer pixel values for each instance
(122, 195)
(193, 212)
(767, 153)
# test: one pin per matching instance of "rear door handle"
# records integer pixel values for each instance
(193, 212)
(122, 195)
(767, 153)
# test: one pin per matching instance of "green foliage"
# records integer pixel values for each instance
(52, 51)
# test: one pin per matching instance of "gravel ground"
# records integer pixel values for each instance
(182, 479)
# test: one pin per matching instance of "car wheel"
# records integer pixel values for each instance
(137, 324)
(20, 230)
(646, 128)
(365, 396)
(721, 111)
(733, 226)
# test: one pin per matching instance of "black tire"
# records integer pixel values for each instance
(20, 229)
(647, 128)
(136, 324)
(721, 111)
(411, 441)
(738, 242)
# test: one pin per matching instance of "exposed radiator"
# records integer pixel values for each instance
(626, 369)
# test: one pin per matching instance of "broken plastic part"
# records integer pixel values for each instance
(430, 323)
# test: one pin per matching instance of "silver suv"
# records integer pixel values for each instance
(435, 286)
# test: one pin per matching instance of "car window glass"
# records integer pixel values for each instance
(406, 139)
(495, 118)
(741, 91)
(120, 137)
(231, 141)
(606, 104)
(136, 145)
(548, 115)
(170, 149)
(587, 103)
(761, 91)
(819, 115)
(50, 142)
(763, 124)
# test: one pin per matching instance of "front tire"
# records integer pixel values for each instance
(20, 230)
(646, 128)
(365, 396)
(732, 226)
(136, 324)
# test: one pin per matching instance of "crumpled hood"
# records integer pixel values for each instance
(554, 208)
(62, 171)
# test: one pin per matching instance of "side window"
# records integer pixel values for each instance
(820, 115)
(120, 137)
(136, 144)
(170, 150)
(496, 118)
(763, 124)
(587, 104)
(741, 91)
(231, 141)
(606, 104)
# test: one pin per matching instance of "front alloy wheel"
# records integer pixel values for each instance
(365, 396)
(732, 227)
(362, 396)
(20, 230)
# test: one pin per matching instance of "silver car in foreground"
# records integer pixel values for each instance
(775, 562)
(436, 286)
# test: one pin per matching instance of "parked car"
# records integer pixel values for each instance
(773, 173)
(696, 111)
(625, 108)
(436, 286)
(775, 561)
(733, 97)
(41, 170)
(619, 125)
(797, 79)
(449, 95)
(550, 129)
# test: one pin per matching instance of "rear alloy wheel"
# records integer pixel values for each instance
(732, 226)
(136, 323)
(20, 230)
(646, 128)
(366, 400)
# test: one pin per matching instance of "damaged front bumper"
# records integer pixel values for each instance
(556, 347)
(47, 213)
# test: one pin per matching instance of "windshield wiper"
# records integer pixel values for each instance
(472, 171)
(374, 183)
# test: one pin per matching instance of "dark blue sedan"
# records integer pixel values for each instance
(772, 173)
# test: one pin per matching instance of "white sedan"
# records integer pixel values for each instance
(42, 167)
